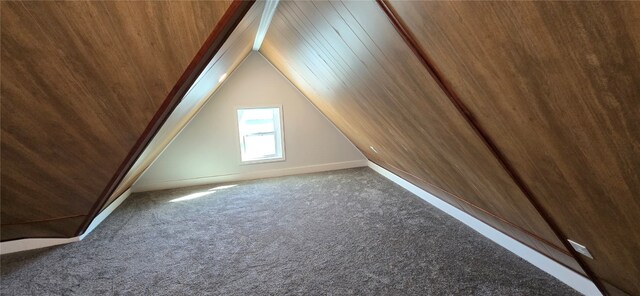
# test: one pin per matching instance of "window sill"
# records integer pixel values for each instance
(258, 161)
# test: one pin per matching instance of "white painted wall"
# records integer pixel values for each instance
(207, 149)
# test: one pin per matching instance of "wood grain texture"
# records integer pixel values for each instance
(347, 58)
(560, 255)
(59, 227)
(556, 86)
(231, 54)
(428, 63)
(214, 42)
(80, 82)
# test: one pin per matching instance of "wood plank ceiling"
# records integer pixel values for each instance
(348, 59)
(80, 82)
(555, 85)
(231, 54)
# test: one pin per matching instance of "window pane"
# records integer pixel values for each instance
(255, 126)
(260, 146)
(251, 114)
(256, 120)
(260, 134)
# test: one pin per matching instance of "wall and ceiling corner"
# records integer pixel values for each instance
(229, 21)
(231, 54)
(201, 154)
(265, 21)
(23, 214)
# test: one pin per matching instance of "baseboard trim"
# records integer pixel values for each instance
(33, 243)
(557, 270)
(250, 175)
(105, 213)
(26, 244)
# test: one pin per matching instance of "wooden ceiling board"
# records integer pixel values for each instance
(347, 58)
(80, 82)
(230, 55)
(54, 228)
(556, 86)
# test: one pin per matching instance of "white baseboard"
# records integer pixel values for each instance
(105, 213)
(557, 270)
(250, 175)
(37, 243)
(33, 243)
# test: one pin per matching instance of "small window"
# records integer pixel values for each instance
(260, 134)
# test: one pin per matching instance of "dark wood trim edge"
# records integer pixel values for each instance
(24, 237)
(223, 29)
(427, 62)
(532, 235)
(53, 226)
(461, 200)
(42, 220)
(396, 171)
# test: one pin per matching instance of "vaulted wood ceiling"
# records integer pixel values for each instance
(523, 114)
(80, 83)
(374, 89)
(556, 85)
(231, 54)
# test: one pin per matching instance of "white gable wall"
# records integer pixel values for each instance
(207, 149)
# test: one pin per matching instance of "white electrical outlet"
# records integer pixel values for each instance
(580, 249)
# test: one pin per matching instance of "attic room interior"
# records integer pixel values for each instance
(314, 147)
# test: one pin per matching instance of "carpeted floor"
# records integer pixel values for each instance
(333, 233)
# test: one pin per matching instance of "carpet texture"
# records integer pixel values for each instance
(333, 233)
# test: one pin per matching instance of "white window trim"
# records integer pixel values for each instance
(282, 137)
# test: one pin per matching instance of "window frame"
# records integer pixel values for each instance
(282, 137)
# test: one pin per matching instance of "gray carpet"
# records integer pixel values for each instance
(334, 233)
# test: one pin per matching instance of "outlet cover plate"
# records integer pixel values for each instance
(580, 249)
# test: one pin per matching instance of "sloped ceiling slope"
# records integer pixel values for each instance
(349, 60)
(234, 50)
(80, 82)
(555, 86)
